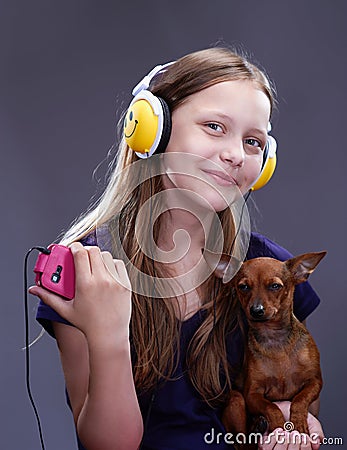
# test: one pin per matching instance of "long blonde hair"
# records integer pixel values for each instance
(155, 330)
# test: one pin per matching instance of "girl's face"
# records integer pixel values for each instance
(220, 134)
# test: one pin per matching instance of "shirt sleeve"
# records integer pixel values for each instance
(305, 298)
(45, 315)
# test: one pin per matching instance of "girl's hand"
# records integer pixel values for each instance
(280, 439)
(102, 302)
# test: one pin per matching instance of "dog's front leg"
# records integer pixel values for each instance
(258, 405)
(234, 415)
(301, 402)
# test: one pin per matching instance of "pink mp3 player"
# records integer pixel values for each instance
(56, 271)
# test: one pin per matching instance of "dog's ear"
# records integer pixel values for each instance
(224, 266)
(303, 265)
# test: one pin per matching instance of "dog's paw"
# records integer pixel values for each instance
(259, 425)
(300, 424)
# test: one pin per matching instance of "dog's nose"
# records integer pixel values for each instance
(257, 311)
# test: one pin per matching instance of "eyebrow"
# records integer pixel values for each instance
(260, 131)
(219, 114)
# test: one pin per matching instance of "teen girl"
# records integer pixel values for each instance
(148, 362)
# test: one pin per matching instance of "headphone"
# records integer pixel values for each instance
(147, 127)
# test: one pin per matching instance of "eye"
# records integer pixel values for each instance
(244, 287)
(131, 116)
(215, 127)
(275, 286)
(254, 143)
(125, 122)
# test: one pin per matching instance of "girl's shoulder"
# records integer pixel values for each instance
(89, 239)
(261, 246)
(100, 236)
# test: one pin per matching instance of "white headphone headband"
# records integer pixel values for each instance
(146, 80)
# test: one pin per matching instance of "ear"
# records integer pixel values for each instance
(302, 266)
(224, 266)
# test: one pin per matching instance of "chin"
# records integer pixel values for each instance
(194, 194)
(215, 202)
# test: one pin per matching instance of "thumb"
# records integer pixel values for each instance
(60, 306)
(316, 431)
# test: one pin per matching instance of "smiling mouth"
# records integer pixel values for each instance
(221, 178)
(129, 135)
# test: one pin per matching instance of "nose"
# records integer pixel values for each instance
(257, 311)
(233, 153)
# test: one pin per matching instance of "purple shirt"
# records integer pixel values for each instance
(179, 419)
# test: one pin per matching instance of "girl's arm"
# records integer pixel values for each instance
(100, 385)
(96, 354)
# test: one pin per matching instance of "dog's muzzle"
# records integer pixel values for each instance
(257, 312)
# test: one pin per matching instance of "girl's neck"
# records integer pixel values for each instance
(183, 212)
(182, 234)
(183, 230)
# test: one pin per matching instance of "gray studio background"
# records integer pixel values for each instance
(67, 67)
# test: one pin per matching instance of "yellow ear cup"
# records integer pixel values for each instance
(266, 173)
(140, 126)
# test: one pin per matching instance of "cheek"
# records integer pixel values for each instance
(186, 141)
(179, 138)
(252, 168)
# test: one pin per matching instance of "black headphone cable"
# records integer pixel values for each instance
(27, 344)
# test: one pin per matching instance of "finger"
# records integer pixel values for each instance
(316, 439)
(81, 262)
(269, 440)
(281, 439)
(315, 443)
(305, 442)
(122, 273)
(109, 263)
(293, 446)
(61, 306)
(315, 430)
(298, 441)
(96, 261)
(266, 445)
(294, 440)
(278, 439)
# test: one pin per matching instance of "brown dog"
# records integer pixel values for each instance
(281, 359)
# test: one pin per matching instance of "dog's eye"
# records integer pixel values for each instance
(244, 287)
(275, 286)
